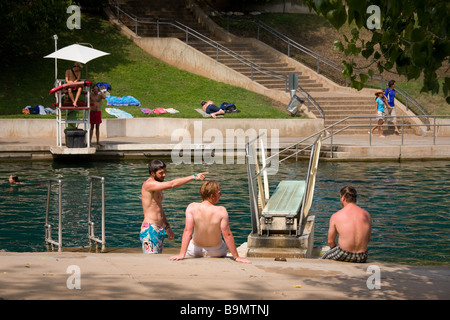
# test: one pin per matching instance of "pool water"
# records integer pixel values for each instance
(408, 201)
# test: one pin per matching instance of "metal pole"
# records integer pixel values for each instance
(55, 37)
(103, 214)
(90, 224)
(403, 128)
(289, 48)
(48, 230)
(60, 217)
(332, 141)
(434, 130)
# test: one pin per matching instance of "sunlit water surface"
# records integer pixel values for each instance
(409, 203)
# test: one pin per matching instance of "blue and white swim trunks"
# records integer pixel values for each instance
(152, 238)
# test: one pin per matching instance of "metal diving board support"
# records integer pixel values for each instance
(291, 200)
(91, 225)
(281, 224)
(48, 228)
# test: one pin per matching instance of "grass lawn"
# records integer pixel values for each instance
(129, 71)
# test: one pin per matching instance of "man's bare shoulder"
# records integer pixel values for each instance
(221, 210)
(193, 206)
(150, 184)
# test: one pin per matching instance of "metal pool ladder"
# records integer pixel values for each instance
(91, 236)
(48, 228)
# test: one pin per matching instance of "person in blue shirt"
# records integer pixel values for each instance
(389, 93)
(380, 107)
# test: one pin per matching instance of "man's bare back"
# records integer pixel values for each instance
(353, 224)
(206, 223)
(207, 220)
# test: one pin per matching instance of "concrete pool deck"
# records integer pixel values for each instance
(56, 276)
(132, 275)
(346, 147)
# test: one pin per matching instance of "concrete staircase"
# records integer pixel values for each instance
(336, 106)
(266, 63)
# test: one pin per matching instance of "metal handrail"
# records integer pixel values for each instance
(321, 59)
(91, 225)
(312, 101)
(331, 132)
(91, 236)
(191, 32)
(409, 99)
(334, 65)
(48, 228)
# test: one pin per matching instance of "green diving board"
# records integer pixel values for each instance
(281, 213)
(287, 198)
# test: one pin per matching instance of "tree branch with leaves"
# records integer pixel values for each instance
(410, 38)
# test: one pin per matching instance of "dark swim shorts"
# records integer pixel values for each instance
(341, 255)
(212, 108)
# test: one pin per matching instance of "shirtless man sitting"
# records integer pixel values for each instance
(74, 75)
(155, 223)
(205, 223)
(354, 226)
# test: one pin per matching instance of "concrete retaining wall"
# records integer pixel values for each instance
(165, 127)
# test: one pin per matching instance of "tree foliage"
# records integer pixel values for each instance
(411, 38)
(26, 24)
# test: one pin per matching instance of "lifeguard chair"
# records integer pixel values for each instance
(281, 224)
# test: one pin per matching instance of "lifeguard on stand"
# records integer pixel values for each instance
(79, 54)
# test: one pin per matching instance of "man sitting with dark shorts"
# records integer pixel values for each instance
(210, 108)
(354, 226)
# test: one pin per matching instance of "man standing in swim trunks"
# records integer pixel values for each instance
(96, 113)
(155, 224)
(205, 225)
(353, 225)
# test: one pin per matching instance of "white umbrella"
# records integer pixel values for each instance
(75, 52)
(78, 53)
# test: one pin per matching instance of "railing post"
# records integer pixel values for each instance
(332, 135)
(157, 28)
(289, 48)
(91, 233)
(434, 130)
(47, 226)
(60, 216)
(403, 128)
